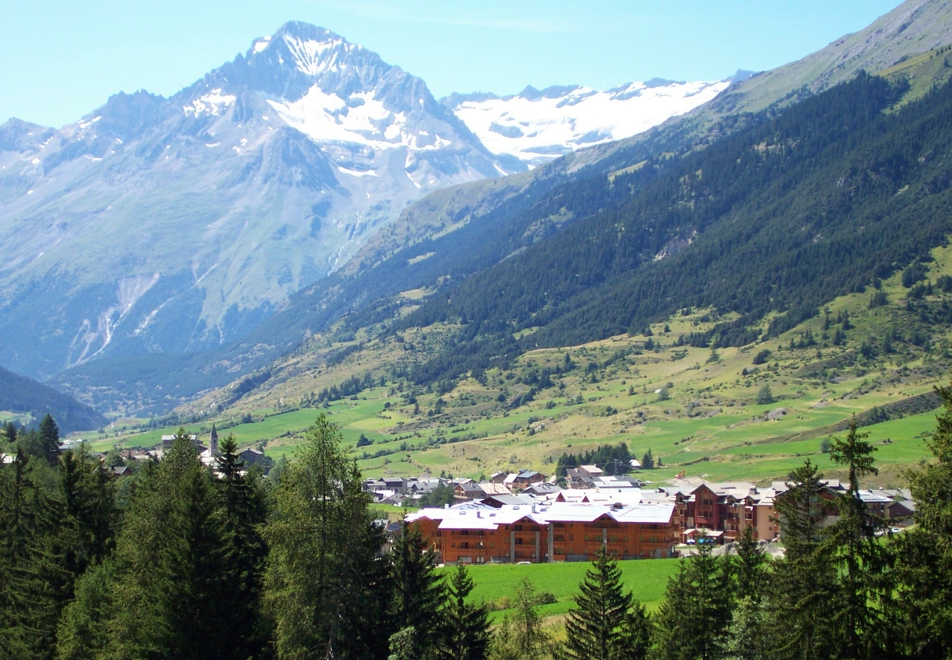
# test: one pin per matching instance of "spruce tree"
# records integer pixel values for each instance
(49, 440)
(244, 509)
(595, 629)
(520, 635)
(693, 620)
(803, 585)
(9, 434)
(920, 607)
(750, 566)
(418, 590)
(857, 551)
(171, 596)
(465, 627)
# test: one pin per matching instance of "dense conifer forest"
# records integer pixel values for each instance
(828, 197)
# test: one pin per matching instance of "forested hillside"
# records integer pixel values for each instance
(828, 198)
(19, 394)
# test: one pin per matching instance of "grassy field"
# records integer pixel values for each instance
(646, 579)
(707, 423)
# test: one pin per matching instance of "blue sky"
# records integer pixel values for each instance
(60, 60)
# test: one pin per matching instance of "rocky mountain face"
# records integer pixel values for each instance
(169, 225)
(537, 126)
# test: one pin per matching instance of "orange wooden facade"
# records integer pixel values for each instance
(527, 540)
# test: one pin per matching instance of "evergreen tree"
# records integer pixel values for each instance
(636, 632)
(750, 566)
(598, 629)
(803, 584)
(857, 551)
(647, 461)
(35, 584)
(326, 587)
(49, 440)
(9, 433)
(243, 504)
(465, 627)
(920, 609)
(749, 633)
(418, 590)
(170, 595)
(692, 622)
(403, 645)
(81, 633)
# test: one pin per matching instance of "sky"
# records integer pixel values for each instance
(60, 60)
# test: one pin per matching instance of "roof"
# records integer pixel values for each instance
(494, 489)
(484, 517)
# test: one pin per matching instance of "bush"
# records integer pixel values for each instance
(761, 357)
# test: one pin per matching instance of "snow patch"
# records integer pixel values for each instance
(309, 55)
(262, 44)
(212, 103)
(539, 129)
(362, 119)
(344, 170)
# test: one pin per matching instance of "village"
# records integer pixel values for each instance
(523, 517)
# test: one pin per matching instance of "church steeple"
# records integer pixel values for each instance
(213, 442)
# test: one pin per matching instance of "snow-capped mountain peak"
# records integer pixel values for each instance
(251, 183)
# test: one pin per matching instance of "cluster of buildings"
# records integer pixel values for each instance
(629, 521)
(405, 490)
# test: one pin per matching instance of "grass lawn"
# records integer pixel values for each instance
(646, 579)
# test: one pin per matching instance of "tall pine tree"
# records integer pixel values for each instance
(605, 623)
(465, 626)
(802, 588)
(694, 618)
(857, 612)
(418, 591)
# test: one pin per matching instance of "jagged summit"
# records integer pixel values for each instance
(198, 214)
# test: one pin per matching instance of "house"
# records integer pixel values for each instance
(723, 510)
(542, 489)
(547, 533)
(575, 478)
(251, 456)
(490, 489)
(468, 491)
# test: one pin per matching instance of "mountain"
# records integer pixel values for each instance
(167, 225)
(19, 394)
(912, 28)
(458, 232)
(728, 310)
(537, 126)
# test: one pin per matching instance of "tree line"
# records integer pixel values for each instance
(181, 561)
